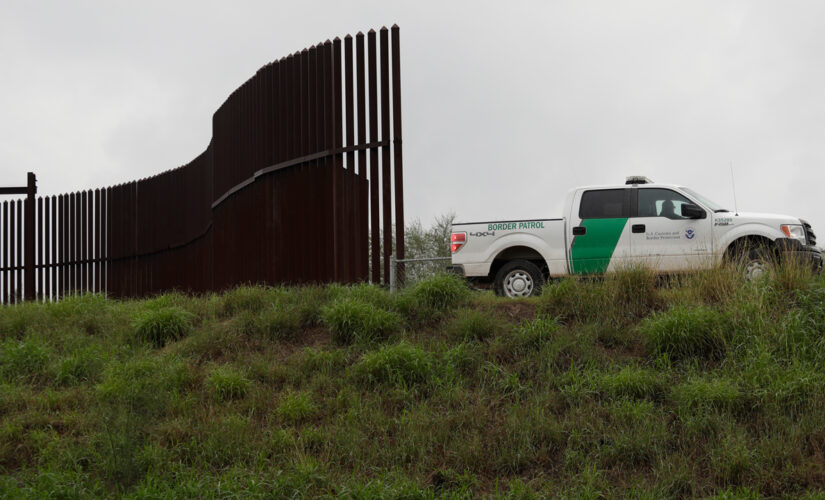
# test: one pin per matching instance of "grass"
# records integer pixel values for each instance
(351, 320)
(161, 325)
(629, 386)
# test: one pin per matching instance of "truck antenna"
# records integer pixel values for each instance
(733, 186)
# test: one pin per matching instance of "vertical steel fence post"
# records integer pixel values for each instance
(386, 191)
(399, 170)
(31, 191)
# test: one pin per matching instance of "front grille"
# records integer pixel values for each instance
(810, 237)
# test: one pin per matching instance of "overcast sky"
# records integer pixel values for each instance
(506, 105)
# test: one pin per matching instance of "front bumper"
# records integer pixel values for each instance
(807, 254)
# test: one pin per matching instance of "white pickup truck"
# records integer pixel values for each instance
(667, 228)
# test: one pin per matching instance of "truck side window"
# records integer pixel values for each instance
(603, 204)
(655, 202)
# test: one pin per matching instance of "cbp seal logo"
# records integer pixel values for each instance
(690, 233)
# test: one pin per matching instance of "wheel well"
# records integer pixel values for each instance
(740, 245)
(518, 252)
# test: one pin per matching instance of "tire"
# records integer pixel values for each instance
(518, 278)
(757, 262)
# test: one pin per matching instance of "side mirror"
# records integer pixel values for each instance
(692, 211)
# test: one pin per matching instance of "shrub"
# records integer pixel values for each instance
(227, 383)
(159, 326)
(687, 331)
(400, 364)
(353, 321)
(441, 292)
(472, 324)
(631, 382)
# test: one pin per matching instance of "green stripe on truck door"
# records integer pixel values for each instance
(592, 251)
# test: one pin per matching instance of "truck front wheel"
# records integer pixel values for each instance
(758, 262)
(518, 278)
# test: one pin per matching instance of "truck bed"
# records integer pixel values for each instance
(490, 240)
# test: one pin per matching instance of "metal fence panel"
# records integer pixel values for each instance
(284, 193)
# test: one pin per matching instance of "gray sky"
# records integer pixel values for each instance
(507, 105)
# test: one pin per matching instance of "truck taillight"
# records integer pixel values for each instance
(457, 241)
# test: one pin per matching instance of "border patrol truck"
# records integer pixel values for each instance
(664, 227)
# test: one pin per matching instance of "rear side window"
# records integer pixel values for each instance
(604, 204)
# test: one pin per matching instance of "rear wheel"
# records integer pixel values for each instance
(518, 278)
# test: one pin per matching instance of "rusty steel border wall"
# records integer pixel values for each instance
(299, 184)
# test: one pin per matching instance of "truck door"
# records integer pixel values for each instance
(598, 233)
(662, 238)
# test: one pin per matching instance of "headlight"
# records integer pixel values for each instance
(794, 231)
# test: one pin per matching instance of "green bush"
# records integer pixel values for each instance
(685, 331)
(441, 292)
(351, 321)
(227, 383)
(159, 326)
(472, 324)
(400, 364)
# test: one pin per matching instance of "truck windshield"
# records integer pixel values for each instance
(704, 201)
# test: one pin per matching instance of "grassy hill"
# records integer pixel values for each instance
(694, 386)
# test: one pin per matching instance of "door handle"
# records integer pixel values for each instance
(638, 228)
(579, 231)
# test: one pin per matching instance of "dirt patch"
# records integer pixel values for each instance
(516, 311)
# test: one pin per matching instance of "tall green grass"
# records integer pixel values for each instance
(632, 385)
